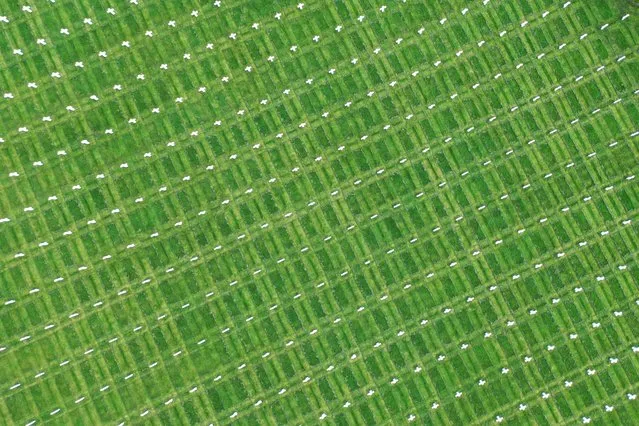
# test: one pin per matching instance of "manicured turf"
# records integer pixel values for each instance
(343, 212)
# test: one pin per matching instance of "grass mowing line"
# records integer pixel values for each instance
(544, 262)
(409, 371)
(487, 418)
(351, 252)
(528, 397)
(321, 368)
(450, 397)
(163, 33)
(584, 83)
(171, 64)
(619, 398)
(494, 200)
(301, 84)
(489, 381)
(532, 222)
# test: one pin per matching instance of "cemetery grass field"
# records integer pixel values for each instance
(319, 212)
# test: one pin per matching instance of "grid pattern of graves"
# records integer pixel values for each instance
(350, 212)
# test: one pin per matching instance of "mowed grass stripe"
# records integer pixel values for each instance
(263, 279)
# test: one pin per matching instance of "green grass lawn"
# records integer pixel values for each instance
(341, 212)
